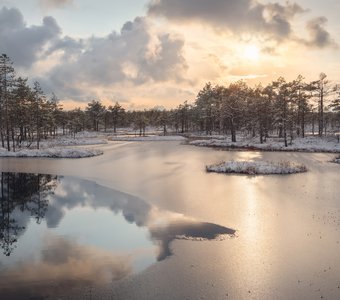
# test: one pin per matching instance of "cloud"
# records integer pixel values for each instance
(53, 4)
(68, 45)
(270, 22)
(137, 54)
(238, 16)
(319, 36)
(23, 44)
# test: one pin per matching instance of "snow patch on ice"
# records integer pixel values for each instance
(256, 167)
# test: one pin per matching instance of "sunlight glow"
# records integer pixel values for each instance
(251, 52)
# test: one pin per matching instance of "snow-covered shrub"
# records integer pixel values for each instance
(256, 167)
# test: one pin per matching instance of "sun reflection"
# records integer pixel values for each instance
(246, 155)
(251, 220)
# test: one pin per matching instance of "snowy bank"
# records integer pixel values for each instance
(148, 138)
(336, 160)
(52, 153)
(307, 144)
(256, 167)
(81, 139)
(74, 142)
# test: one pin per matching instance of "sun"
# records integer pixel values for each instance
(251, 52)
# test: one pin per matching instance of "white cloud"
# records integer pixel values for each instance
(25, 44)
(137, 54)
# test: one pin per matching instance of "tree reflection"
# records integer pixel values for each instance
(25, 196)
(26, 193)
(62, 260)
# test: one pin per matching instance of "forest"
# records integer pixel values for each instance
(287, 109)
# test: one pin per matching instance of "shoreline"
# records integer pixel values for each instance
(254, 148)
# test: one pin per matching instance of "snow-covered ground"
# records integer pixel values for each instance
(337, 159)
(52, 152)
(62, 146)
(256, 167)
(81, 139)
(70, 147)
(148, 138)
(307, 144)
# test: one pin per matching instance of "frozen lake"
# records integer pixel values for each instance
(288, 227)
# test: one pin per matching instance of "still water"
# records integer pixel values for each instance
(133, 218)
(57, 231)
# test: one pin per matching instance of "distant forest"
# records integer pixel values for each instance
(282, 108)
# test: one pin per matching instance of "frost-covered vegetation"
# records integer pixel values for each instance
(256, 167)
(307, 144)
(52, 153)
(63, 146)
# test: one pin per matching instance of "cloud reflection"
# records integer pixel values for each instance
(64, 264)
(164, 226)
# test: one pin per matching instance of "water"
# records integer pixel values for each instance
(58, 230)
(288, 227)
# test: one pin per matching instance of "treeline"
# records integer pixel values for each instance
(281, 107)
(25, 114)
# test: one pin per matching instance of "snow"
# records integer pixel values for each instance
(256, 167)
(61, 146)
(81, 139)
(73, 142)
(307, 144)
(148, 138)
(65, 146)
(337, 159)
(52, 153)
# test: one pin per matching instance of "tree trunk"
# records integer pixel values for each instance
(321, 120)
(13, 140)
(233, 131)
(303, 124)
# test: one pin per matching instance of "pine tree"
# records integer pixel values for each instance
(7, 79)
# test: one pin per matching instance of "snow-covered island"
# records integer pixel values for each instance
(52, 152)
(256, 167)
(63, 146)
(307, 144)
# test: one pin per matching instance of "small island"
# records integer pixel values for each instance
(256, 167)
(60, 146)
(57, 152)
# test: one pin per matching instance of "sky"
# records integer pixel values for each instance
(148, 53)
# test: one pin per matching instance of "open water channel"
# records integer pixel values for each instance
(145, 221)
